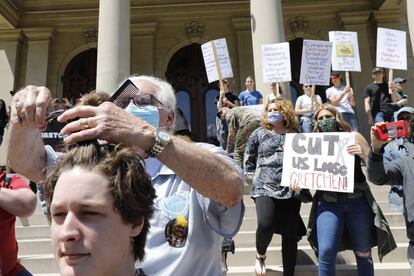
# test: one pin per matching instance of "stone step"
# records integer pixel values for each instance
(244, 239)
(32, 232)
(35, 246)
(44, 263)
(385, 269)
(394, 220)
(248, 238)
(250, 211)
(306, 256)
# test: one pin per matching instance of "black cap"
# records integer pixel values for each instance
(377, 69)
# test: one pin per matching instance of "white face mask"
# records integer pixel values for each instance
(275, 117)
(147, 113)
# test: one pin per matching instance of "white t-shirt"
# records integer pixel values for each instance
(344, 105)
(305, 101)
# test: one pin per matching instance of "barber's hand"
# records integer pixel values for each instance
(29, 106)
(106, 122)
(376, 143)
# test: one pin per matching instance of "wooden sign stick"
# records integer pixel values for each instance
(347, 80)
(277, 89)
(390, 78)
(220, 75)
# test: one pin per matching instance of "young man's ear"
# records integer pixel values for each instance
(137, 228)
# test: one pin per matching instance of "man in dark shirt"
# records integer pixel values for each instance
(378, 97)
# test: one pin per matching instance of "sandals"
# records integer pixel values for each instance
(260, 267)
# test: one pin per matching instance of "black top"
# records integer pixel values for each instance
(380, 97)
(229, 96)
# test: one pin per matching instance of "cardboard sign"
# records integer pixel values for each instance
(319, 161)
(316, 62)
(276, 62)
(217, 60)
(345, 54)
(391, 49)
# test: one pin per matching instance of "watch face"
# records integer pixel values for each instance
(164, 136)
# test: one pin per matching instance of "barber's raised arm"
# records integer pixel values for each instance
(26, 153)
(208, 173)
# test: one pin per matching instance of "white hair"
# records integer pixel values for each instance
(164, 91)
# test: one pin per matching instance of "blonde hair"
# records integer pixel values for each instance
(286, 107)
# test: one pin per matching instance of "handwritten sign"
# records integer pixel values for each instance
(319, 161)
(391, 49)
(345, 54)
(276, 62)
(217, 60)
(316, 62)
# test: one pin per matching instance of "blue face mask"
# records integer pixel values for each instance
(275, 117)
(147, 113)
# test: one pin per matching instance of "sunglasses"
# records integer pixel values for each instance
(129, 92)
(307, 86)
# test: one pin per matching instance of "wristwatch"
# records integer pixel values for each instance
(162, 139)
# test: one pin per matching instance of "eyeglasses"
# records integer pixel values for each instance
(334, 77)
(128, 91)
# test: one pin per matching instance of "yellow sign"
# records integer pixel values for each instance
(344, 51)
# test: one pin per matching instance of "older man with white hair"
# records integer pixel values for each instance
(198, 191)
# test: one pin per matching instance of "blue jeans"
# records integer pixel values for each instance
(306, 124)
(384, 117)
(356, 216)
(350, 119)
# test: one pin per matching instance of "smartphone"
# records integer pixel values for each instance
(392, 130)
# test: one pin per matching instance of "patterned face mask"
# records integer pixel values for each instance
(275, 117)
(328, 125)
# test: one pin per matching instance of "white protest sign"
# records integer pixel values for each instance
(217, 60)
(391, 49)
(276, 62)
(319, 161)
(316, 62)
(345, 53)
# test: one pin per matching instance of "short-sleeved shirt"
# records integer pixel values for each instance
(344, 105)
(8, 244)
(240, 116)
(208, 223)
(380, 97)
(250, 98)
(305, 101)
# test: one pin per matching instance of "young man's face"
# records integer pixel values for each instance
(88, 236)
(249, 83)
(378, 76)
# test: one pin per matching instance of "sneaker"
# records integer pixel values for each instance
(260, 267)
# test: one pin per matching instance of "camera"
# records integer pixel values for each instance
(392, 130)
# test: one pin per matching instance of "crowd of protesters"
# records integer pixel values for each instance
(170, 216)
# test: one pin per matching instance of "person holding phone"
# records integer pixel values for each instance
(401, 170)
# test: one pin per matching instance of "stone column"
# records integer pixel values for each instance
(113, 44)
(267, 28)
(37, 55)
(243, 31)
(10, 42)
(410, 17)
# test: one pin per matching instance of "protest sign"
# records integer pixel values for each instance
(51, 136)
(391, 49)
(345, 53)
(276, 62)
(217, 60)
(316, 62)
(319, 161)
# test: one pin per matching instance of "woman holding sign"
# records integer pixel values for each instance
(277, 207)
(340, 221)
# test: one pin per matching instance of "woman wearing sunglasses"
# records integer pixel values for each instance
(305, 106)
(341, 221)
(277, 207)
